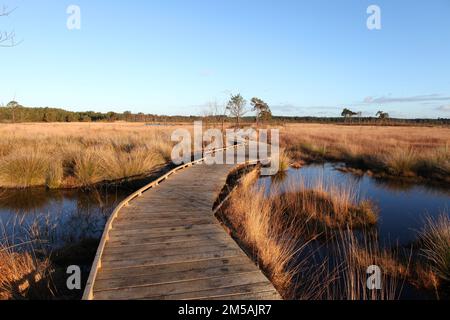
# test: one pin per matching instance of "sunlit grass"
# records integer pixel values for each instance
(389, 151)
(279, 229)
(435, 243)
(74, 155)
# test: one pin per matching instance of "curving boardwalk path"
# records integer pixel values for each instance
(167, 244)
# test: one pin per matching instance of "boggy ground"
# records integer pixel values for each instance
(411, 153)
(317, 243)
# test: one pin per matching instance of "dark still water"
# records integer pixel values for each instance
(67, 216)
(58, 217)
(402, 206)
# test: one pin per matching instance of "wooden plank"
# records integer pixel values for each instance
(171, 277)
(220, 293)
(166, 252)
(148, 261)
(173, 267)
(109, 250)
(161, 217)
(148, 224)
(153, 291)
(139, 237)
(196, 236)
(164, 213)
(164, 230)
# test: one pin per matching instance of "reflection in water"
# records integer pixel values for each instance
(403, 206)
(59, 216)
(279, 177)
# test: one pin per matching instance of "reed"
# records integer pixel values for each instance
(435, 245)
(353, 256)
(325, 205)
(21, 274)
(277, 231)
(24, 273)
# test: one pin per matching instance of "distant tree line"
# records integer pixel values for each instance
(361, 120)
(233, 112)
(381, 117)
(14, 112)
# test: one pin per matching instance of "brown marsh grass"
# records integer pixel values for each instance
(288, 232)
(22, 274)
(33, 265)
(407, 152)
(435, 245)
(262, 232)
(279, 236)
(353, 255)
(78, 154)
(323, 206)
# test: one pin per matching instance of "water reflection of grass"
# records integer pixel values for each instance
(23, 274)
(34, 255)
(55, 229)
(42, 239)
(326, 262)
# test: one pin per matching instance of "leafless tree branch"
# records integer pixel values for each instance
(7, 38)
(4, 11)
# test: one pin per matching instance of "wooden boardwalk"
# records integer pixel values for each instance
(167, 244)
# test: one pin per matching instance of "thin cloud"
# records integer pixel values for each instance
(207, 73)
(420, 98)
(293, 108)
(444, 108)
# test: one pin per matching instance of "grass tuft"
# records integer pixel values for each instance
(24, 168)
(76, 154)
(435, 243)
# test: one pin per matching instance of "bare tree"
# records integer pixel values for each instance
(7, 38)
(207, 113)
(236, 107)
(215, 112)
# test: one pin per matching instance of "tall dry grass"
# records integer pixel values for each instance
(324, 206)
(354, 255)
(22, 274)
(262, 232)
(435, 245)
(279, 234)
(74, 155)
(305, 240)
(25, 273)
(391, 151)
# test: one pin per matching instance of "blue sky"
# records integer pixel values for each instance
(173, 56)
